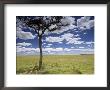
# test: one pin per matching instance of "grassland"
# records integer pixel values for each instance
(56, 64)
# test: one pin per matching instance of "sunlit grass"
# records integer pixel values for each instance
(57, 64)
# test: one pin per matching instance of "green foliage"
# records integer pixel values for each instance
(56, 64)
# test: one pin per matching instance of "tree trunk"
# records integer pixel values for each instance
(40, 47)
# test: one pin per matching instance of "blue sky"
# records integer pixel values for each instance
(77, 38)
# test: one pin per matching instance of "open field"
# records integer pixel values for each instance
(57, 64)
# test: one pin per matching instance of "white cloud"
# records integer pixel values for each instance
(82, 28)
(68, 20)
(89, 45)
(18, 46)
(53, 26)
(90, 24)
(54, 39)
(49, 44)
(19, 24)
(34, 51)
(23, 44)
(43, 43)
(24, 49)
(75, 29)
(78, 42)
(75, 41)
(85, 23)
(25, 35)
(47, 49)
(82, 47)
(85, 33)
(67, 49)
(18, 29)
(27, 51)
(52, 49)
(20, 33)
(72, 47)
(87, 50)
(59, 49)
(60, 42)
(89, 42)
(77, 35)
(80, 50)
(68, 37)
(64, 28)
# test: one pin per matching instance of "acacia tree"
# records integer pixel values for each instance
(42, 24)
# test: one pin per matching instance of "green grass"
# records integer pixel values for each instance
(56, 64)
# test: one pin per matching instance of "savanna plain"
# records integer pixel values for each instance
(56, 64)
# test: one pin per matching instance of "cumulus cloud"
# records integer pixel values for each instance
(78, 42)
(87, 50)
(18, 29)
(75, 29)
(64, 28)
(82, 47)
(47, 49)
(34, 51)
(27, 51)
(75, 41)
(25, 35)
(68, 20)
(44, 43)
(23, 44)
(52, 49)
(24, 49)
(72, 47)
(49, 44)
(59, 49)
(67, 35)
(89, 42)
(68, 23)
(60, 42)
(70, 38)
(85, 23)
(18, 46)
(20, 26)
(54, 39)
(59, 39)
(67, 49)
(53, 26)
(77, 35)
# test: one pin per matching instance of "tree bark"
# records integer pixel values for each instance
(40, 47)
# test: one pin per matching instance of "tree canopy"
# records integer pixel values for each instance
(42, 24)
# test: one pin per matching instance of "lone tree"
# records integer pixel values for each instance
(42, 24)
